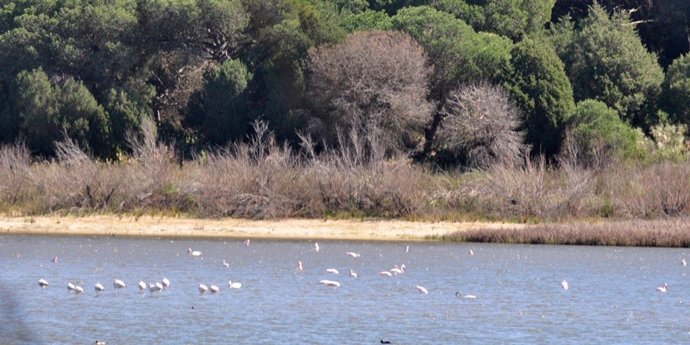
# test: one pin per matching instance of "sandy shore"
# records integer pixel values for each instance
(154, 226)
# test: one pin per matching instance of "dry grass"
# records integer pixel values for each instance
(656, 233)
(261, 179)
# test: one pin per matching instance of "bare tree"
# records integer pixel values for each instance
(375, 80)
(482, 123)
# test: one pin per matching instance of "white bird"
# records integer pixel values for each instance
(353, 254)
(397, 270)
(247, 242)
(78, 289)
(165, 282)
(422, 289)
(54, 260)
(213, 288)
(471, 252)
(663, 288)
(462, 295)
(70, 286)
(353, 274)
(142, 285)
(385, 273)
(564, 284)
(235, 285)
(193, 252)
(42, 283)
(202, 288)
(225, 263)
(299, 266)
(99, 287)
(316, 247)
(332, 270)
(683, 262)
(119, 284)
(327, 282)
(407, 249)
(155, 287)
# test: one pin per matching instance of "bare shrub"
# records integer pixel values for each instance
(258, 179)
(151, 171)
(658, 190)
(73, 182)
(534, 190)
(15, 162)
(375, 79)
(482, 123)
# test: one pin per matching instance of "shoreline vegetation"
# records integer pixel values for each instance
(262, 190)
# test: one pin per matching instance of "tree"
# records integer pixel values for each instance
(49, 112)
(510, 18)
(676, 90)
(459, 54)
(599, 135)
(482, 124)
(607, 61)
(373, 80)
(541, 89)
(367, 20)
(219, 111)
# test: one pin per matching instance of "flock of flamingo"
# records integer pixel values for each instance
(154, 287)
(211, 288)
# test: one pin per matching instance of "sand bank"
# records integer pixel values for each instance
(155, 226)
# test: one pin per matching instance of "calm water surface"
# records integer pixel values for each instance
(612, 297)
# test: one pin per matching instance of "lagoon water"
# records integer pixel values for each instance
(612, 297)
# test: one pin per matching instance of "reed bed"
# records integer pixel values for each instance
(642, 233)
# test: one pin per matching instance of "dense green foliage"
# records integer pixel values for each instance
(676, 89)
(606, 60)
(600, 134)
(203, 70)
(541, 88)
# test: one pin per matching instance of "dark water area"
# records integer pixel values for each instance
(612, 296)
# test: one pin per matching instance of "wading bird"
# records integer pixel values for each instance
(119, 284)
(42, 283)
(327, 282)
(316, 247)
(99, 287)
(663, 288)
(459, 294)
(353, 274)
(422, 289)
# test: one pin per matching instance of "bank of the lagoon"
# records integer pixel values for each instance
(164, 226)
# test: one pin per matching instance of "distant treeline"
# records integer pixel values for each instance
(457, 83)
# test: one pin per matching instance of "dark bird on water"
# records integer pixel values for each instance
(385, 341)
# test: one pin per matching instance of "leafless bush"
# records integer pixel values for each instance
(375, 79)
(151, 170)
(481, 122)
(659, 190)
(73, 182)
(534, 190)
(15, 162)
